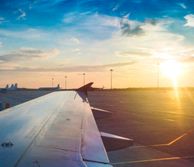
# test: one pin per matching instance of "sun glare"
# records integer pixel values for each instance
(171, 69)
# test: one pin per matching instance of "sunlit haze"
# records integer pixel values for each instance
(171, 69)
(41, 40)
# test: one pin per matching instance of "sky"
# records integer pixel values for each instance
(45, 39)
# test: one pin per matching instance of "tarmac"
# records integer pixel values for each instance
(159, 121)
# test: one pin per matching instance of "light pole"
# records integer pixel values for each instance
(52, 82)
(111, 70)
(84, 74)
(158, 73)
(65, 82)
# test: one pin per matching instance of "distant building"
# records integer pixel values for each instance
(16, 85)
(9, 87)
(12, 86)
(50, 88)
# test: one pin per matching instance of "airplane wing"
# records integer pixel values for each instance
(54, 130)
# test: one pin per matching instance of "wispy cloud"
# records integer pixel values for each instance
(156, 41)
(129, 27)
(133, 53)
(90, 21)
(186, 56)
(81, 68)
(93, 24)
(182, 5)
(75, 40)
(116, 7)
(132, 27)
(22, 15)
(189, 20)
(186, 59)
(2, 19)
(29, 33)
(26, 54)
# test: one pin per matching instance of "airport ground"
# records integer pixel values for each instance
(161, 122)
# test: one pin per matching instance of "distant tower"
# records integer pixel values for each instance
(158, 73)
(52, 82)
(12, 86)
(7, 86)
(65, 82)
(16, 85)
(111, 70)
(84, 74)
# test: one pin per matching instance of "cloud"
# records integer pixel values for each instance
(186, 56)
(189, 20)
(26, 54)
(93, 26)
(186, 59)
(69, 18)
(133, 52)
(2, 19)
(116, 7)
(29, 34)
(76, 50)
(130, 27)
(92, 22)
(182, 54)
(156, 41)
(81, 68)
(75, 40)
(182, 5)
(22, 15)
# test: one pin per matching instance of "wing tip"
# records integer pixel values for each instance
(85, 88)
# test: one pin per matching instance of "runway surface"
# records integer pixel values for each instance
(161, 122)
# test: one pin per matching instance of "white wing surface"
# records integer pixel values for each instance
(55, 130)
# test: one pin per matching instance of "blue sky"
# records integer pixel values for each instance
(69, 37)
(50, 14)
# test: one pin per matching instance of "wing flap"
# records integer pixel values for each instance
(100, 113)
(92, 145)
(95, 164)
(114, 142)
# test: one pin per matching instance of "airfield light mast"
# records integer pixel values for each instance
(158, 73)
(111, 70)
(65, 82)
(52, 82)
(84, 74)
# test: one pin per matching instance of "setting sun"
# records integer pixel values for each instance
(171, 69)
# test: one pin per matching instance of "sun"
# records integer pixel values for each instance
(172, 69)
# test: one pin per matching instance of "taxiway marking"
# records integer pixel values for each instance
(177, 139)
(166, 144)
(153, 160)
